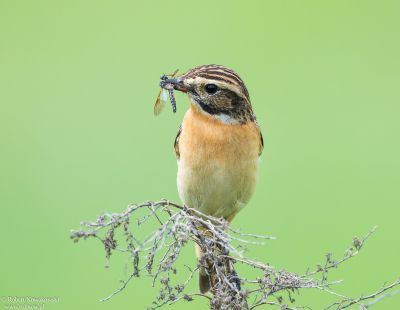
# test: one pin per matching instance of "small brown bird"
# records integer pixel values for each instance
(217, 146)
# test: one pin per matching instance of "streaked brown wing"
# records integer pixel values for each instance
(176, 143)
(261, 144)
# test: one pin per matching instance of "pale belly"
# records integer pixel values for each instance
(216, 189)
(218, 167)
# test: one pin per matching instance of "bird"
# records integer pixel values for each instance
(217, 146)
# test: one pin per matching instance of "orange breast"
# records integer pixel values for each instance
(217, 169)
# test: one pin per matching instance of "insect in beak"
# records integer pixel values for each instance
(167, 87)
(175, 83)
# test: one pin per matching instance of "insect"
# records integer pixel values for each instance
(165, 91)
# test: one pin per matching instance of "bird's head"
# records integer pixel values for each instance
(216, 90)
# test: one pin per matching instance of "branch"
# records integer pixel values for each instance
(174, 226)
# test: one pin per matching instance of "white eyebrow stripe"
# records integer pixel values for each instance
(200, 80)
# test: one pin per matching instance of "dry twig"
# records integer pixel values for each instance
(157, 254)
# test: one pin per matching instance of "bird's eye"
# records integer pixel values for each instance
(211, 88)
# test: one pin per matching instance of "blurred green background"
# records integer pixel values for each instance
(78, 80)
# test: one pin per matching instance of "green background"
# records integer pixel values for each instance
(78, 80)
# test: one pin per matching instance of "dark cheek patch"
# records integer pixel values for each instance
(232, 98)
(226, 102)
(223, 101)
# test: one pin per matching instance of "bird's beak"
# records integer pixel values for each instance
(175, 83)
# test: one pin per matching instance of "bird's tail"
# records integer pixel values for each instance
(204, 276)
